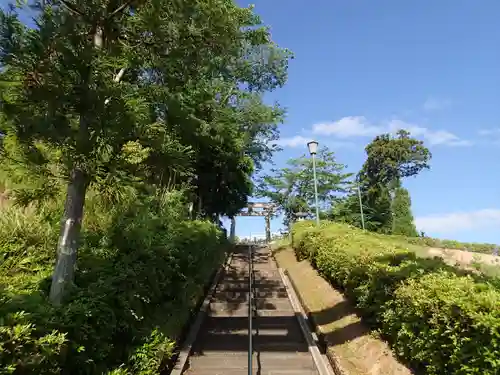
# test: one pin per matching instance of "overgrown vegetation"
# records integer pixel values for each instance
(149, 118)
(102, 93)
(438, 318)
(142, 267)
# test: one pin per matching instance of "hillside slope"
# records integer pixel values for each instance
(437, 318)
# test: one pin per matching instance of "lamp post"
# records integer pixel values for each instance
(393, 224)
(361, 206)
(313, 149)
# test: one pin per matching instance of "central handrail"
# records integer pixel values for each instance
(250, 309)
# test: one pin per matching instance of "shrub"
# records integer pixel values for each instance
(142, 268)
(438, 318)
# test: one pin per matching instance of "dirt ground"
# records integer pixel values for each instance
(462, 257)
(348, 339)
(483, 263)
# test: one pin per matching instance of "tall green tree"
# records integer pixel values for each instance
(392, 158)
(403, 223)
(389, 160)
(291, 188)
(124, 91)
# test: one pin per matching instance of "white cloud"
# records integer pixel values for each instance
(300, 141)
(351, 126)
(359, 126)
(296, 141)
(434, 137)
(488, 132)
(434, 104)
(458, 221)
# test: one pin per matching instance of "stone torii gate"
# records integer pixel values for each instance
(255, 209)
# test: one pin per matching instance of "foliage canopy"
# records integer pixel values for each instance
(102, 94)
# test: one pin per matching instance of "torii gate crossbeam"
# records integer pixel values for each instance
(255, 209)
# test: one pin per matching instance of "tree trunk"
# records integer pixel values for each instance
(69, 235)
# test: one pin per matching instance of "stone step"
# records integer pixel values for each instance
(256, 371)
(244, 354)
(224, 302)
(291, 333)
(234, 287)
(263, 265)
(266, 361)
(263, 260)
(261, 337)
(261, 327)
(260, 257)
(262, 291)
(259, 282)
(264, 275)
(231, 294)
(236, 323)
(264, 283)
(267, 272)
(243, 312)
(226, 342)
(259, 304)
(241, 296)
(257, 260)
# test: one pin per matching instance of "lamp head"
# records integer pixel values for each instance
(313, 147)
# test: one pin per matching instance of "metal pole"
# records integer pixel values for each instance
(315, 189)
(250, 312)
(392, 212)
(361, 208)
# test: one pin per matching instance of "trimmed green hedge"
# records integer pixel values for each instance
(142, 268)
(436, 317)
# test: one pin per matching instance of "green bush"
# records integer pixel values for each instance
(142, 268)
(438, 318)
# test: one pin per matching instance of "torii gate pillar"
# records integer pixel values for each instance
(232, 236)
(268, 228)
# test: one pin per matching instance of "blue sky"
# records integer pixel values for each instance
(364, 67)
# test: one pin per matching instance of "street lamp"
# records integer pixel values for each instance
(393, 224)
(313, 149)
(360, 204)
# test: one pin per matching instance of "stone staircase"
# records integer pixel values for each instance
(279, 347)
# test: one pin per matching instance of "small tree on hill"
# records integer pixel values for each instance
(292, 188)
(403, 218)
